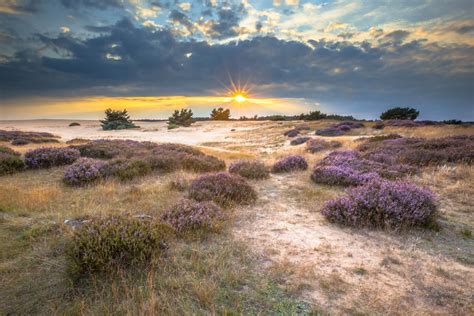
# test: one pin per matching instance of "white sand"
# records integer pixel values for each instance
(199, 132)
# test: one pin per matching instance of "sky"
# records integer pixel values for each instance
(74, 58)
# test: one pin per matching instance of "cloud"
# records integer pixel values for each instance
(19, 6)
(95, 4)
(65, 29)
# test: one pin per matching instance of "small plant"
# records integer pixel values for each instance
(183, 117)
(220, 114)
(330, 131)
(74, 124)
(20, 141)
(289, 164)
(399, 113)
(10, 161)
(126, 169)
(383, 204)
(105, 244)
(117, 120)
(292, 133)
(46, 157)
(189, 215)
(84, 171)
(299, 140)
(250, 169)
(341, 175)
(223, 188)
(315, 145)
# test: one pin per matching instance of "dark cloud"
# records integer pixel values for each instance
(20, 6)
(151, 62)
(396, 37)
(98, 29)
(181, 18)
(465, 29)
(96, 4)
(227, 22)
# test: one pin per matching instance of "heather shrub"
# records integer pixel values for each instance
(28, 137)
(401, 123)
(348, 124)
(379, 138)
(8, 150)
(314, 145)
(330, 131)
(46, 157)
(341, 175)
(107, 148)
(249, 169)
(84, 171)
(292, 133)
(116, 120)
(105, 244)
(378, 125)
(74, 124)
(19, 141)
(10, 162)
(126, 169)
(289, 164)
(299, 140)
(223, 188)
(383, 204)
(189, 215)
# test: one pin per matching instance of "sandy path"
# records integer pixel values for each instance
(345, 270)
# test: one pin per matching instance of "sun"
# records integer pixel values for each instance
(239, 98)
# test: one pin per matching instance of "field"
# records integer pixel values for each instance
(279, 255)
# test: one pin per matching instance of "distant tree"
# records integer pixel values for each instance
(220, 114)
(117, 120)
(452, 122)
(313, 116)
(183, 117)
(399, 113)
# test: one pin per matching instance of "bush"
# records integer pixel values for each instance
(74, 124)
(126, 169)
(289, 164)
(330, 131)
(188, 215)
(378, 125)
(108, 148)
(341, 175)
(250, 169)
(452, 122)
(117, 120)
(220, 114)
(118, 241)
(183, 117)
(10, 161)
(383, 204)
(348, 124)
(313, 116)
(402, 123)
(84, 171)
(380, 138)
(314, 145)
(399, 113)
(292, 133)
(223, 188)
(19, 141)
(299, 140)
(46, 157)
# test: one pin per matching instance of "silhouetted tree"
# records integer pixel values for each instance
(115, 119)
(313, 115)
(183, 117)
(220, 114)
(399, 113)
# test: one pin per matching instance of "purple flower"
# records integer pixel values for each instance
(290, 163)
(45, 157)
(84, 171)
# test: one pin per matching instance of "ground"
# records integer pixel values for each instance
(279, 256)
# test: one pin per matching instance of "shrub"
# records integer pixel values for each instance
(179, 184)
(348, 124)
(341, 175)
(303, 128)
(10, 162)
(289, 164)
(313, 116)
(183, 117)
(249, 169)
(314, 145)
(452, 122)
(402, 123)
(220, 114)
(189, 215)
(383, 204)
(299, 140)
(379, 138)
(19, 141)
(399, 113)
(117, 120)
(292, 133)
(330, 131)
(223, 188)
(118, 241)
(378, 125)
(46, 157)
(29, 137)
(126, 169)
(8, 150)
(108, 148)
(84, 171)
(74, 124)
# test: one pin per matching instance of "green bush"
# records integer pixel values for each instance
(104, 244)
(117, 120)
(10, 162)
(399, 113)
(183, 117)
(220, 114)
(126, 169)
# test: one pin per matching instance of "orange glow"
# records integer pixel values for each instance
(240, 98)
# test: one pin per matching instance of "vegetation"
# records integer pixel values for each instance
(23, 138)
(46, 157)
(223, 188)
(10, 161)
(84, 171)
(399, 113)
(105, 244)
(289, 164)
(116, 119)
(315, 145)
(292, 133)
(189, 215)
(299, 140)
(220, 114)
(183, 117)
(74, 124)
(250, 169)
(383, 204)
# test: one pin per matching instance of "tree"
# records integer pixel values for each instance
(183, 117)
(220, 114)
(399, 113)
(117, 120)
(313, 116)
